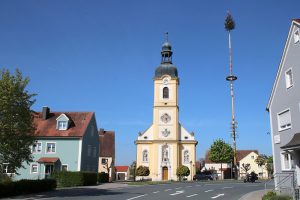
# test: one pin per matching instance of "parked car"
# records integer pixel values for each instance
(198, 177)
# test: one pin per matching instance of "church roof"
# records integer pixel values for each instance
(166, 69)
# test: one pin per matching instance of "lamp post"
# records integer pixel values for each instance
(229, 26)
(191, 163)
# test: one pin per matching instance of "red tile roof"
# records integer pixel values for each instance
(48, 160)
(240, 154)
(121, 168)
(107, 143)
(47, 128)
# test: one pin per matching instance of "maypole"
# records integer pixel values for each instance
(229, 26)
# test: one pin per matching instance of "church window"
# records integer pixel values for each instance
(145, 156)
(186, 156)
(165, 92)
(165, 154)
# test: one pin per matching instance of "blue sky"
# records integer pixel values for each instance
(101, 56)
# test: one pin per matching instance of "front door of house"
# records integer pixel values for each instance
(48, 170)
(165, 173)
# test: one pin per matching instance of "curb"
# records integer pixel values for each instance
(254, 195)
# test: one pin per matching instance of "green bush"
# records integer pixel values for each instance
(69, 179)
(103, 177)
(273, 196)
(26, 187)
(142, 171)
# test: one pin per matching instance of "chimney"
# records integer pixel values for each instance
(45, 112)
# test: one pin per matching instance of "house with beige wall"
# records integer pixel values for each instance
(166, 144)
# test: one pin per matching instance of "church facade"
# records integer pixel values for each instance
(166, 144)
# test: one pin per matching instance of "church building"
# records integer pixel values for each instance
(166, 145)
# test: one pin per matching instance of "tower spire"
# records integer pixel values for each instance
(166, 53)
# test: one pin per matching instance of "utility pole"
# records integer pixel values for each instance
(229, 26)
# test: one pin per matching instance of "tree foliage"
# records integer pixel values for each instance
(220, 152)
(142, 171)
(261, 160)
(16, 120)
(132, 169)
(182, 171)
(229, 22)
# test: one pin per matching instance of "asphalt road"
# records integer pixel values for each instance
(174, 191)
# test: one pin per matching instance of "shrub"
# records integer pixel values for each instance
(26, 187)
(103, 177)
(182, 171)
(69, 179)
(273, 196)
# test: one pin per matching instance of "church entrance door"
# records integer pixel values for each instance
(165, 173)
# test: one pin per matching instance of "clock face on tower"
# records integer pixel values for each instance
(165, 118)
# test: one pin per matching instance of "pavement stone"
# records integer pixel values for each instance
(255, 195)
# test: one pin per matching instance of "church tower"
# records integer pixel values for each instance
(166, 145)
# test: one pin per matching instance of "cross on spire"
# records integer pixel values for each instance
(167, 36)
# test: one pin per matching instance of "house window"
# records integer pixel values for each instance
(64, 167)
(62, 125)
(7, 169)
(289, 78)
(287, 161)
(34, 168)
(36, 147)
(89, 151)
(252, 157)
(284, 120)
(186, 156)
(51, 147)
(165, 92)
(296, 36)
(104, 161)
(145, 156)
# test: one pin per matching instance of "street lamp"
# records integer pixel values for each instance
(191, 163)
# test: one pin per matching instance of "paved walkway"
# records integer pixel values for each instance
(255, 195)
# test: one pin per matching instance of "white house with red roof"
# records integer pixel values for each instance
(122, 172)
(65, 141)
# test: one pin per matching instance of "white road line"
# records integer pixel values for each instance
(137, 197)
(192, 195)
(226, 188)
(208, 190)
(156, 192)
(219, 195)
(177, 192)
(168, 189)
(189, 186)
(178, 188)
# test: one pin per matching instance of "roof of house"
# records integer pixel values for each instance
(47, 128)
(240, 154)
(48, 160)
(121, 168)
(107, 143)
(281, 63)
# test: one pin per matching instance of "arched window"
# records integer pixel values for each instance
(145, 156)
(186, 156)
(165, 92)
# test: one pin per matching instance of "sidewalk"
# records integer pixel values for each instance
(255, 195)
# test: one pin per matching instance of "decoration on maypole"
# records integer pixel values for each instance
(229, 26)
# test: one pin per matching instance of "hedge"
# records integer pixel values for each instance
(26, 187)
(273, 196)
(103, 177)
(69, 179)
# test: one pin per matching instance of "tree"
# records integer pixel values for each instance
(269, 166)
(246, 167)
(16, 120)
(182, 171)
(220, 152)
(108, 167)
(261, 161)
(133, 169)
(200, 165)
(142, 171)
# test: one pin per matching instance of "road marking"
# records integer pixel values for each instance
(178, 188)
(168, 189)
(177, 192)
(208, 190)
(156, 192)
(226, 188)
(189, 186)
(219, 195)
(192, 195)
(137, 197)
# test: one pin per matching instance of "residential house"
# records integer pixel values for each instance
(122, 173)
(243, 157)
(65, 141)
(284, 109)
(107, 153)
